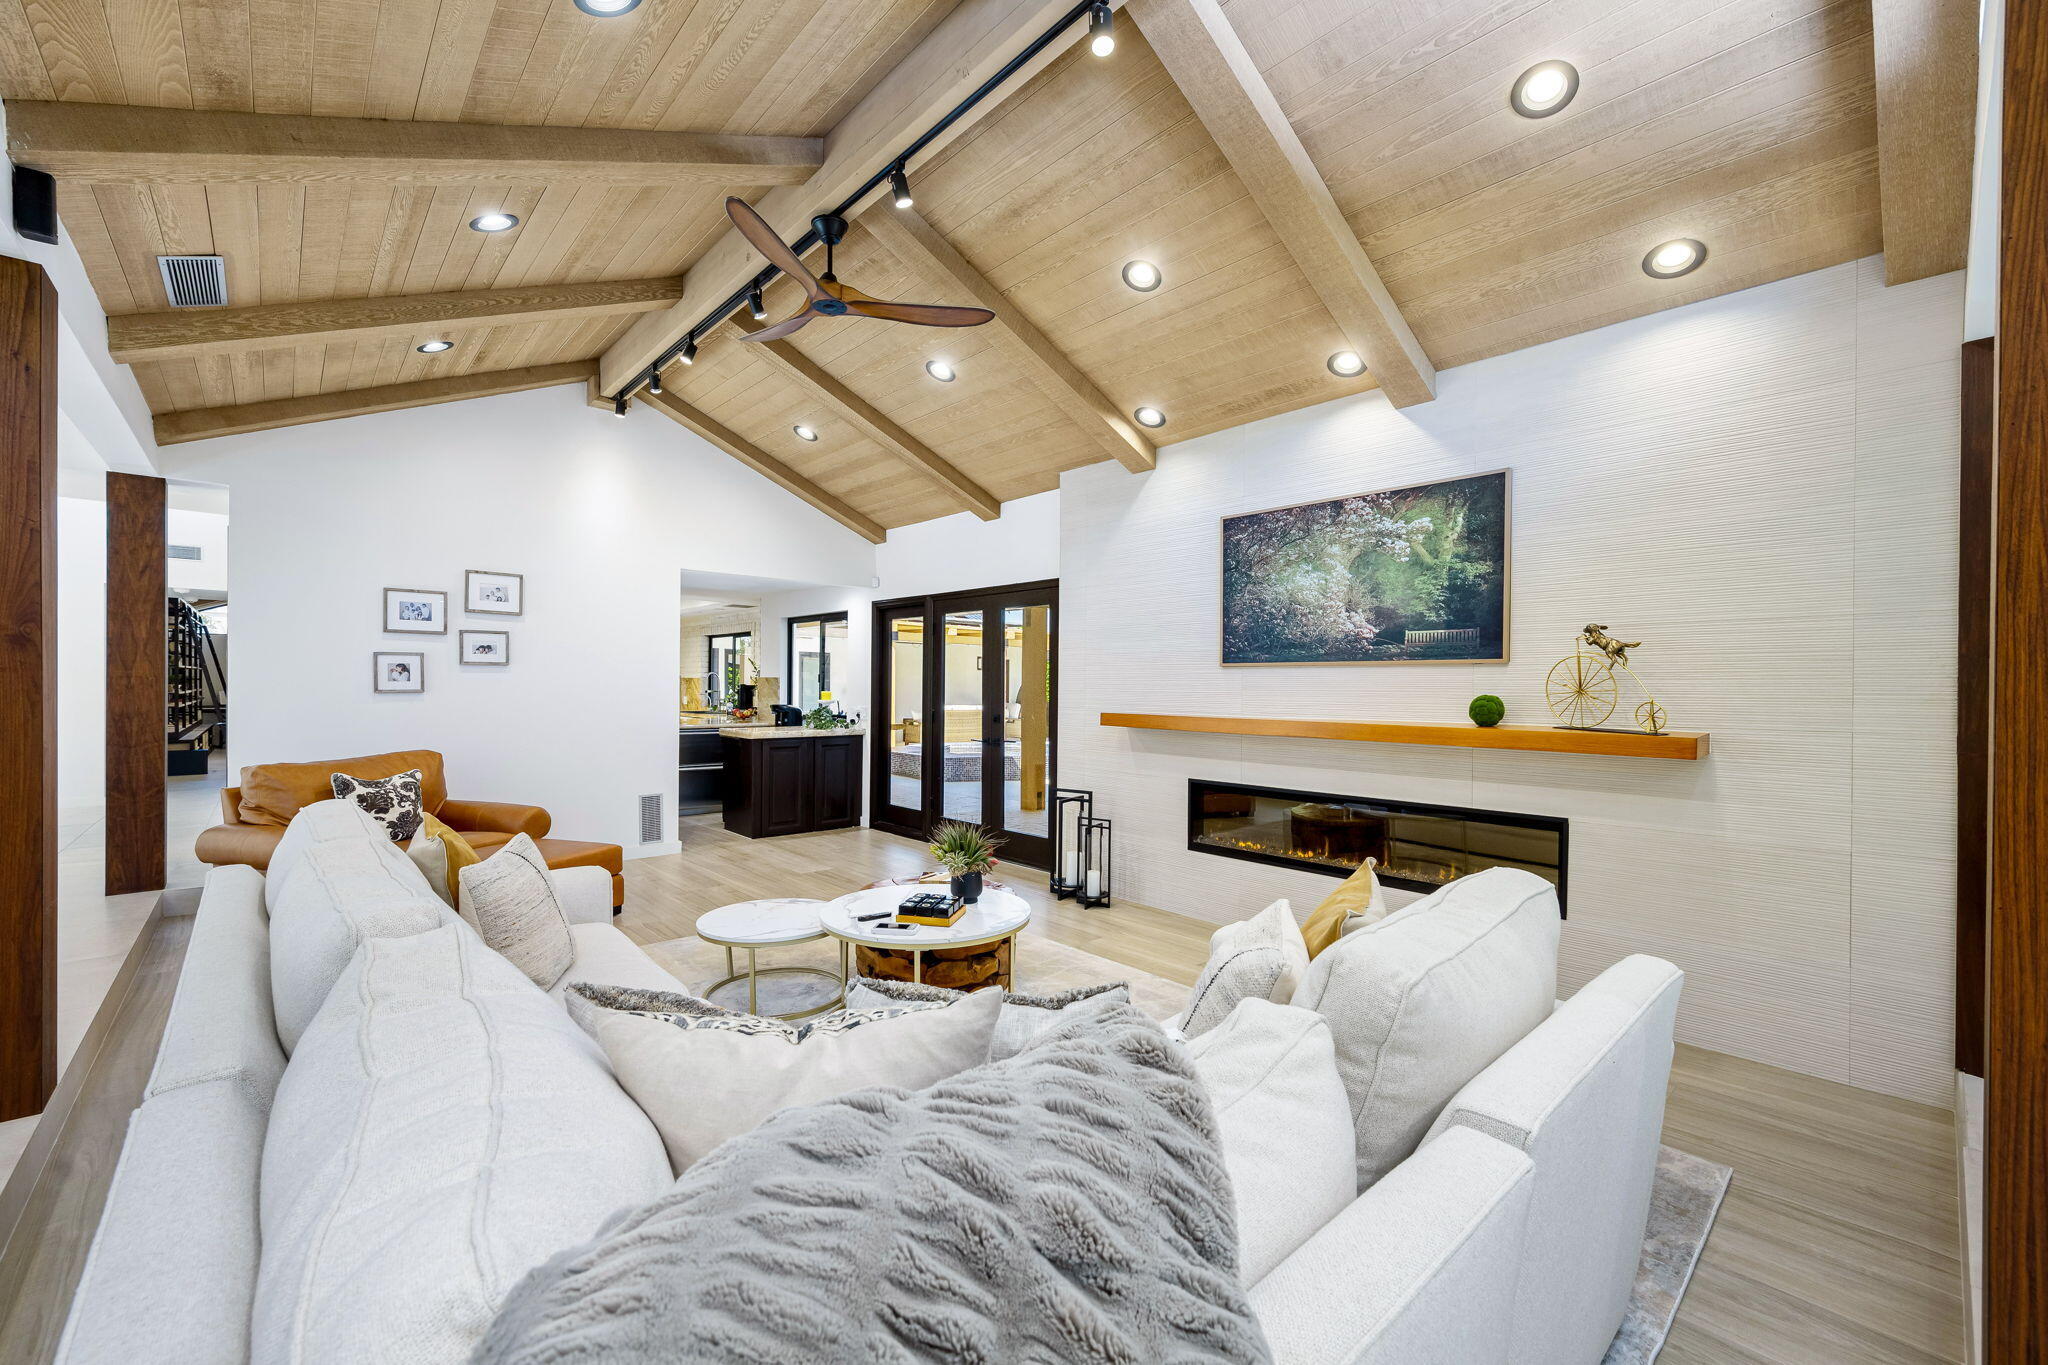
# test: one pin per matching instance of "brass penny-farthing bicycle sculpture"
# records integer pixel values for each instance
(1583, 692)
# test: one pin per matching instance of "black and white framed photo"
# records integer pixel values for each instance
(486, 647)
(494, 594)
(395, 672)
(415, 611)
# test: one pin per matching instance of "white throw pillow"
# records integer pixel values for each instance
(442, 1129)
(1261, 958)
(1285, 1126)
(509, 900)
(1023, 1017)
(1424, 1000)
(704, 1074)
(337, 893)
(429, 854)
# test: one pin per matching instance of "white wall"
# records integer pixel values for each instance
(1762, 488)
(963, 551)
(600, 515)
(208, 531)
(81, 659)
(850, 689)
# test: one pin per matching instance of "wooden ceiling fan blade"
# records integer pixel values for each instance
(755, 229)
(777, 331)
(922, 314)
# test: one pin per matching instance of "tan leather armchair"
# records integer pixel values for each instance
(255, 813)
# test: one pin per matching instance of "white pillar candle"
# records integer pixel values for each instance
(1094, 884)
(1070, 869)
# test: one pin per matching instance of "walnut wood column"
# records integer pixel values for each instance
(2016, 1078)
(28, 688)
(135, 683)
(1974, 607)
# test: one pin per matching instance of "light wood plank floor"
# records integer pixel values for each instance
(1838, 1241)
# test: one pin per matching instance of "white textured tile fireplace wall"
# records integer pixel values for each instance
(1760, 487)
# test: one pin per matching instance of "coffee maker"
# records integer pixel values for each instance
(787, 715)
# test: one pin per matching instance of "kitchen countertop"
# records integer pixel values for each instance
(785, 731)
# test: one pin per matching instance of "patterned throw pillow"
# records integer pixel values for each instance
(393, 802)
(1261, 958)
(1024, 1017)
(705, 1074)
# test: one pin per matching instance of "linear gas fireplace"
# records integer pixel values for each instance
(1419, 847)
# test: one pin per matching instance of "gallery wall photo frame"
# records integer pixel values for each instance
(398, 671)
(1444, 541)
(415, 611)
(485, 648)
(487, 592)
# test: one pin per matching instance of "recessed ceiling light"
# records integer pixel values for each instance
(939, 370)
(1344, 364)
(1681, 256)
(1142, 276)
(1544, 89)
(494, 222)
(804, 432)
(434, 347)
(1150, 417)
(606, 9)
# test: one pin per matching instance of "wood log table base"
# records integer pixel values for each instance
(958, 969)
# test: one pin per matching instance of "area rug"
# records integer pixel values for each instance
(1687, 1195)
(1683, 1203)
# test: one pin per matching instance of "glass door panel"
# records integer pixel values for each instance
(961, 752)
(1027, 720)
(899, 712)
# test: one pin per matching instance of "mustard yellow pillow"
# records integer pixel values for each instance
(1359, 894)
(441, 854)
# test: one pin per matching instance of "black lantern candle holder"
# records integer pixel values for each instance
(1071, 808)
(1097, 861)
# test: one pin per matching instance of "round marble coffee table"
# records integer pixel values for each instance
(754, 925)
(995, 918)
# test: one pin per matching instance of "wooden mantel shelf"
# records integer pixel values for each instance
(1541, 738)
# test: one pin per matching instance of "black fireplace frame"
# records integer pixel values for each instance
(1520, 819)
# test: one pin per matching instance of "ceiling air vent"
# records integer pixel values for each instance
(650, 819)
(194, 281)
(182, 551)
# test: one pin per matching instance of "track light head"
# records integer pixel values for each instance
(654, 381)
(755, 305)
(689, 354)
(619, 406)
(899, 184)
(1101, 29)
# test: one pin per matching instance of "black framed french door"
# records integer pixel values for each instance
(966, 708)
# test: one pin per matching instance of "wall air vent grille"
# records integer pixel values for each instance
(194, 281)
(650, 818)
(182, 551)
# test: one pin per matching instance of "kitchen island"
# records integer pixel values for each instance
(790, 779)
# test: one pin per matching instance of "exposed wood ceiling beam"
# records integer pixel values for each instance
(133, 337)
(971, 496)
(1926, 132)
(969, 46)
(128, 144)
(197, 424)
(921, 247)
(1207, 60)
(764, 464)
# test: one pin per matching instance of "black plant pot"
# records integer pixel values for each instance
(967, 886)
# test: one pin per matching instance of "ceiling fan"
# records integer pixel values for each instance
(828, 297)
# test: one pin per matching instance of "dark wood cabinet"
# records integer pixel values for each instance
(792, 786)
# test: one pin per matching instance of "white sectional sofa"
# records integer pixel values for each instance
(1509, 1234)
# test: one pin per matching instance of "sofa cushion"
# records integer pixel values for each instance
(220, 1026)
(172, 1268)
(1424, 1000)
(1023, 1017)
(441, 1130)
(338, 892)
(393, 802)
(272, 793)
(1260, 958)
(509, 899)
(322, 822)
(1064, 1205)
(1285, 1127)
(705, 1074)
(606, 957)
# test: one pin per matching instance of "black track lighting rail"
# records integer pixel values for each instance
(738, 299)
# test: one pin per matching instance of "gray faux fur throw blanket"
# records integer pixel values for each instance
(1067, 1204)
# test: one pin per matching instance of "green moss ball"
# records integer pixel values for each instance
(1486, 710)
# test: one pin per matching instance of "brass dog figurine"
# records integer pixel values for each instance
(1615, 650)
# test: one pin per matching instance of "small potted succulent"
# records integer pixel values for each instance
(965, 851)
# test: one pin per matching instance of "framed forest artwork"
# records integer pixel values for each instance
(1404, 575)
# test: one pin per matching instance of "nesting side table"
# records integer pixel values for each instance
(751, 926)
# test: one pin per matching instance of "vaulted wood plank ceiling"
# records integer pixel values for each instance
(1749, 124)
